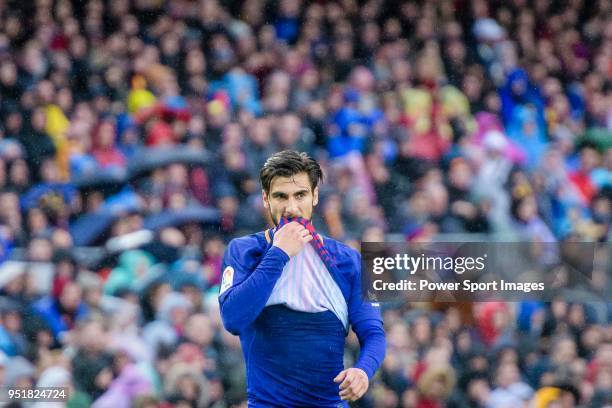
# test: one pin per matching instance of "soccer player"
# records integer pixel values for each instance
(291, 295)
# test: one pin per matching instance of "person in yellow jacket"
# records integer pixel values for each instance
(57, 126)
(553, 397)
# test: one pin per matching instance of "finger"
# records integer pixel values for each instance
(307, 238)
(286, 227)
(340, 376)
(297, 228)
(361, 390)
(300, 230)
(346, 397)
(353, 392)
(357, 387)
(347, 394)
(351, 388)
(364, 388)
(348, 380)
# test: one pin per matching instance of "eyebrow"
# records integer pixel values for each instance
(282, 194)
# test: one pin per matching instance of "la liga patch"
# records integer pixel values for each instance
(227, 280)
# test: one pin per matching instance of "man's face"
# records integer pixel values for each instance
(291, 197)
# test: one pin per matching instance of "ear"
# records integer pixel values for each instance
(264, 198)
(315, 196)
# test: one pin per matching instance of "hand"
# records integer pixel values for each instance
(353, 383)
(291, 238)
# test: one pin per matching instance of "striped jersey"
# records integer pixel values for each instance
(306, 285)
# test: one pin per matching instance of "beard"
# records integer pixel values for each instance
(276, 222)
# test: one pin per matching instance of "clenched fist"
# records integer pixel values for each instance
(291, 238)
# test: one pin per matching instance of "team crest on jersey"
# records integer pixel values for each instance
(227, 279)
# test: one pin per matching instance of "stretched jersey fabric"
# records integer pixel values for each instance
(306, 285)
(292, 356)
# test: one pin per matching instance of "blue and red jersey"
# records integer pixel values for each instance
(293, 356)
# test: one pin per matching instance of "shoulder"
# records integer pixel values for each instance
(246, 249)
(344, 256)
(248, 241)
(256, 240)
(339, 247)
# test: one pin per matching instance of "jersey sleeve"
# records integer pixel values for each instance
(247, 282)
(367, 323)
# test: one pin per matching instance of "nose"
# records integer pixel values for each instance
(292, 209)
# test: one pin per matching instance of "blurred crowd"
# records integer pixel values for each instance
(137, 128)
